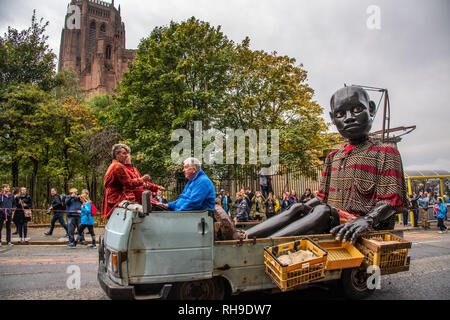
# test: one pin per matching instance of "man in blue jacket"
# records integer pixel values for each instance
(199, 193)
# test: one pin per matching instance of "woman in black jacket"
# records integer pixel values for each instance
(23, 202)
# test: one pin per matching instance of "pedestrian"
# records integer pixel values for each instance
(414, 207)
(264, 181)
(86, 221)
(7, 205)
(23, 214)
(441, 213)
(258, 207)
(306, 196)
(159, 197)
(15, 192)
(423, 205)
(248, 196)
(284, 204)
(242, 208)
(446, 199)
(73, 207)
(226, 202)
(57, 209)
(293, 197)
(270, 205)
(278, 204)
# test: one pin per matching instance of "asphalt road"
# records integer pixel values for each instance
(52, 273)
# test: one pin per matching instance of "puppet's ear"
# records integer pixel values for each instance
(372, 108)
(332, 116)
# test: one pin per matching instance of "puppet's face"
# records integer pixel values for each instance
(352, 113)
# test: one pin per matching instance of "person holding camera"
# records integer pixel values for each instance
(57, 208)
(73, 209)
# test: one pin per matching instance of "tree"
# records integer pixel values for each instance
(181, 74)
(191, 71)
(25, 56)
(26, 63)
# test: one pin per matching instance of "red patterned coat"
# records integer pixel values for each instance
(357, 178)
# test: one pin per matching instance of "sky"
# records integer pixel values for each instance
(400, 45)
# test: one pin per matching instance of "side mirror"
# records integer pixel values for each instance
(146, 203)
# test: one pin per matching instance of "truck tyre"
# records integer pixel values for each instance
(209, 289)
(353, 284)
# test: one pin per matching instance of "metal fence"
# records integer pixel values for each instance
(233, 181)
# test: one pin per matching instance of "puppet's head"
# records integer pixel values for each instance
(352, 113)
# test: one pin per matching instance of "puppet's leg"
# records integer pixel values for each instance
(277, 222)
(320, 220)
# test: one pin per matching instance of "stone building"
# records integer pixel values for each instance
(93, 44)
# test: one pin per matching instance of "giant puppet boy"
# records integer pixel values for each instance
(362, 184)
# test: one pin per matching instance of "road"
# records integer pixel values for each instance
(47, 273)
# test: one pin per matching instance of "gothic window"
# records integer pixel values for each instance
(102, 29)
(108, 52)
(92, 36)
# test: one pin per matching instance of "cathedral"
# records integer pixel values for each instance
(93, 44)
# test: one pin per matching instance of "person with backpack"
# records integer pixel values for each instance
(440, 211)
(87, 221)
(73, 209)
(57, 209)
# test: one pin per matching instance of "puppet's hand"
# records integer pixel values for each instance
(352, 229)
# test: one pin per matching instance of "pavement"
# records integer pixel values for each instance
(36, 236)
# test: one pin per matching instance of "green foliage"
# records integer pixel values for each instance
(190, 71)
(25, 56)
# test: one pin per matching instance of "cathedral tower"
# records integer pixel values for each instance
(93, 44)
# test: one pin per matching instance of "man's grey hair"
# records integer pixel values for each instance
(116, 149)
(193, 162)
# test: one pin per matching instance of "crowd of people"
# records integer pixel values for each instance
(421, 202)
(251, 206)
(248, 206)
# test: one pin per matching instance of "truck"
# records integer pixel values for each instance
(148, 254)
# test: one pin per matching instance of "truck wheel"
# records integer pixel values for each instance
(353, 283)
(210, 289)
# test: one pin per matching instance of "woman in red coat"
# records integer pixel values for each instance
(119, 184)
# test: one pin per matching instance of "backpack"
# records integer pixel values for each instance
(93, 210)
(63, 201)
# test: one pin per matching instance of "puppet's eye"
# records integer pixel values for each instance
(358, 109)
(339, 114)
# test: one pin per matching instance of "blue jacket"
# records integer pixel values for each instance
(86, 217)
(442, 211)
(199, 194)
(424, 202)
(72, 204)
(7, 203)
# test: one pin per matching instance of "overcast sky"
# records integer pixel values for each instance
(408, 54)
